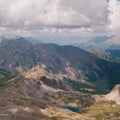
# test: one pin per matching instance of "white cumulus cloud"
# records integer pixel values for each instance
(114, 14)
(30, 14)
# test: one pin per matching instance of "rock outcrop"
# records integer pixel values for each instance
(114, 94)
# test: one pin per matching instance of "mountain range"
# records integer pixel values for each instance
(80, 70)
(99, 42)
(109, 55)
(110, 42)
(37, 79)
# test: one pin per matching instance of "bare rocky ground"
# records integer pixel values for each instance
(26, 98)
(21, 100)
(114, 94)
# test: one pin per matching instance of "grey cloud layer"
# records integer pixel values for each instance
(58, 13)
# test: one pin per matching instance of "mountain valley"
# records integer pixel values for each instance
(36, 79)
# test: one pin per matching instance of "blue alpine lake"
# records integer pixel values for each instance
(69, 107)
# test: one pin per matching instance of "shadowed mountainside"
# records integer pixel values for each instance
(81, 70)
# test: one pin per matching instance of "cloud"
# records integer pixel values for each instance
(2, 29)
(114, 40)
(114, 14)
(59, 14)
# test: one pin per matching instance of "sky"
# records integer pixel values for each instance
(60, 17)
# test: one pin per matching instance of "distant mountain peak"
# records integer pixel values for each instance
(10, 36)
(100, 42)
(16, 41)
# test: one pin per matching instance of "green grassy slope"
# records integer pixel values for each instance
(4, 76)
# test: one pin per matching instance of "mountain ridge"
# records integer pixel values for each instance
(70, 63)
(48, 75)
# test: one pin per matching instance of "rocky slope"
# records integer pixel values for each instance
(114, 94)
(78, 68)
(24, 98)
(31, 97)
